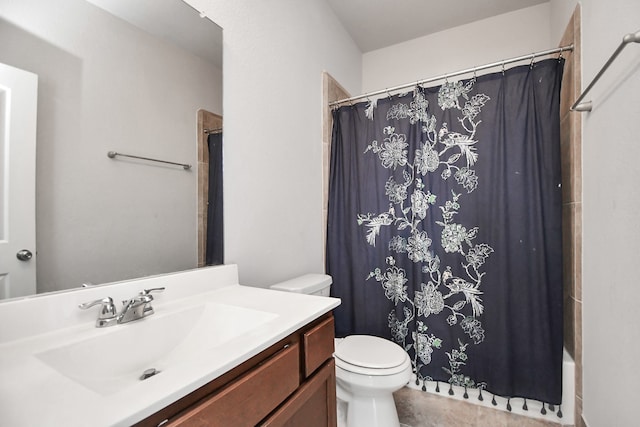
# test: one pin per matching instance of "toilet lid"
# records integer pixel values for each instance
(370, 352)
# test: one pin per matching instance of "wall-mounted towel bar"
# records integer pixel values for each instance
(113, 154)
(588, 105)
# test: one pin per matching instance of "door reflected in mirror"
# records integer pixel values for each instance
(106, 83)
(18, 113)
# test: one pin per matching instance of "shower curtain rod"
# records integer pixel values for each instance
(502, 63)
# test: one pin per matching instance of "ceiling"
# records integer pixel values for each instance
(375, 24)
(172, 20)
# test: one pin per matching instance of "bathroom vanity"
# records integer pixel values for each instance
(291, 383)
(225, 355)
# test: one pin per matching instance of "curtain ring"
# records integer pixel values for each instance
(503, 68)
(446, 79)
(531, 64)
(474, 75)
(388, 94)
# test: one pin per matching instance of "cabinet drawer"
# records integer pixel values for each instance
(250, 398)
(318, 345)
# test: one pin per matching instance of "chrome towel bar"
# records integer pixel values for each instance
(588, 105)
(113, 154)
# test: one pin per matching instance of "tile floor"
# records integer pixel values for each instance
(419, 409)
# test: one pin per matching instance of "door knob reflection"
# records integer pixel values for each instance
(24, 255)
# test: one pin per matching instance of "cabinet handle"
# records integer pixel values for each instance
(274, 355)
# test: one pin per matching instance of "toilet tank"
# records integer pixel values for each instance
(311, 284)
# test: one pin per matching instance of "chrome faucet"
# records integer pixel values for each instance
(132, 309)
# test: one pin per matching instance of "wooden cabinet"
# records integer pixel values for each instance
(312, 405)
(290, 384)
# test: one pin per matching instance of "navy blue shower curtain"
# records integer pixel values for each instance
(214, 254)
(444, 228)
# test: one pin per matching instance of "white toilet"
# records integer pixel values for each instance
(368, 369)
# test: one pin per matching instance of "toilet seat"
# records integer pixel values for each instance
(369, 355)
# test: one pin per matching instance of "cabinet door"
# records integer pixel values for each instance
(251, 397)
(313, 404)
(317, 345)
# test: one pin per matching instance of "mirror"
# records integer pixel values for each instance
(133, 85)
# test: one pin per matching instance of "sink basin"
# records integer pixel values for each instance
(117, 356)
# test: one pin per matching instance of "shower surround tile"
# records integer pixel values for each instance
(205, 120)
(571, 157)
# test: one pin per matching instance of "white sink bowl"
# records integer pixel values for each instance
(115, 357)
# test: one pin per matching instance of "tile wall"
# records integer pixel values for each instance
(206, 120)
(571, 155)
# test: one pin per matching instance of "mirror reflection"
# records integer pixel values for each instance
(138, 84)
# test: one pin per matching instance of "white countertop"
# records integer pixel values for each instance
(34, 394)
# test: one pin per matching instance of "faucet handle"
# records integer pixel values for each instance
(148, 291)
(107, 311)
(146, 295)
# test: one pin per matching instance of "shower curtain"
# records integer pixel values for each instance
(214, 254)
(444, 229)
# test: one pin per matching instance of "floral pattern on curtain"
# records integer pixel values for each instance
(444, 229)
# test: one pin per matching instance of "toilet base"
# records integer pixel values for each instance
(372, 412)
(341, 409)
